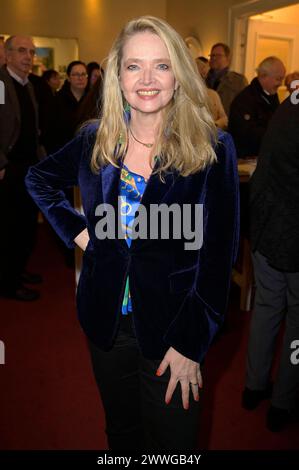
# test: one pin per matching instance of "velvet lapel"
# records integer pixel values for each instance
(110, 176)
(155, 192)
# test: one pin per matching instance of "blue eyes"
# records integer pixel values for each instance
(135, 67)
(132, 67)
(163, 67)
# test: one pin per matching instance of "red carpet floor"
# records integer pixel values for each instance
(48, 399)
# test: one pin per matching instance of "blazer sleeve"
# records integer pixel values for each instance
(203, 309)
(46, 181)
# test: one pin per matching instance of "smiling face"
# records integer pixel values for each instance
(146, 77)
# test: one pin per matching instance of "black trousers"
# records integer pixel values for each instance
(137, 417)
(18, 215)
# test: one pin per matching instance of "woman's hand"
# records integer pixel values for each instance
(182, 370)
(82, 239)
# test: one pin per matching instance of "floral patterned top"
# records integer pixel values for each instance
(132, 187)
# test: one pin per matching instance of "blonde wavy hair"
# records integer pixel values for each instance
(187, 134)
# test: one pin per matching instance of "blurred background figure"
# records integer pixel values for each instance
(60, 122)
(52, 78)
(94, 71)
(290, 77)
(19, 148)
(227, 83)
(63, 120)
(203, 66)
(91, 106)
(249, 117)
(215, 104)
(253, 108)
(274, 204)
(49, 85)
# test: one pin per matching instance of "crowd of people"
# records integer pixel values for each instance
(150, 310)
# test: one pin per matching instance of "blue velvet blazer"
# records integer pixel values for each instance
(179, 297)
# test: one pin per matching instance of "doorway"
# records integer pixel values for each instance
(258, 29)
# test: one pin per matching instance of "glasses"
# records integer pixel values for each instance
(79, 75)
(216, 55)
(24, 50)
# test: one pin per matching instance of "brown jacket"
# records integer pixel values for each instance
(231, 84)
(10, 117)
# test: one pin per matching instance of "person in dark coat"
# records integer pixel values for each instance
(19, 148)
(63, 122)
(252, 109)
(274, 203)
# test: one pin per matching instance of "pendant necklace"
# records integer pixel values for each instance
(149, 146)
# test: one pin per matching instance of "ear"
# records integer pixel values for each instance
(176, 85)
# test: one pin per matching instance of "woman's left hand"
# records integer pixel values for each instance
(182, 370)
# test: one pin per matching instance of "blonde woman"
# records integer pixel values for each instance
(153, 290)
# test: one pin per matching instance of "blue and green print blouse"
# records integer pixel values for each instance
(132, 187)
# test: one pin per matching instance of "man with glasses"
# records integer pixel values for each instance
(18, 150)
(227, 83)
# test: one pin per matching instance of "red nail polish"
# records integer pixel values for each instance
(158, 373)
(167, 402)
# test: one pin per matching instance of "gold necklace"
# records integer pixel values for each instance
(149, 146)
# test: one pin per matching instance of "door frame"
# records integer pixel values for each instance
(238, 24)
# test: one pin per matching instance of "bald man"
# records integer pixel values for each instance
(253, 108)
(18, 150)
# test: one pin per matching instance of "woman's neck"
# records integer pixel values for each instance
(145, 127)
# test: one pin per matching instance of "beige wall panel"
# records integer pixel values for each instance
(207, 20)
(95, 23)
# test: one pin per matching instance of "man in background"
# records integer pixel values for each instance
(18, 150)
(274, 204)
(227, 83)
(253, 108)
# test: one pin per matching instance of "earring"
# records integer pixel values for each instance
(127, 107)
(127, 112)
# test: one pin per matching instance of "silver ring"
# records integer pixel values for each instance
(193, 383)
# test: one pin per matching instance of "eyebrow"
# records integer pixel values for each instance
(134, 59)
